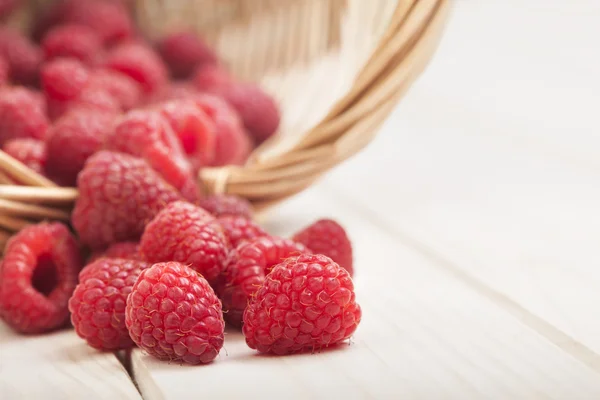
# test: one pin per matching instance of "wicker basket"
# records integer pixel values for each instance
(337, 67)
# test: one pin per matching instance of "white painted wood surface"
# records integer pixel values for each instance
(476, 222)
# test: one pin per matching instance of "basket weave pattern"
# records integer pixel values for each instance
(337, 68)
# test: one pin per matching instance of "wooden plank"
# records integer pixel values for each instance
(522, 221)
(59, 366)
(425, 334)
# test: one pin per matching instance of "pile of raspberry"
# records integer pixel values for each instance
(88, 81)
(147, 260)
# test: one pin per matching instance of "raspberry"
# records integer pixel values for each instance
(64, 79)
(72, 140)
(98, 302)
(126, 250)
(139, 129)
(109, 19)
(306, 302)
(4, 71)
(37, 276)
(72, 40)
(31, 152)
(233, 143)
(122, 88)
(175, 170)
(22, 114)
(140, 63)
(239, 229)
(329, 238)
(212, 77)
(195, 130)
(246, 269)
(221, 205)
(186, 233)
(258, 110)
(90, 98)
(174, 91)
(118, 195)
(22, 55)
(7, 7)
(173, 314)
(184, 52)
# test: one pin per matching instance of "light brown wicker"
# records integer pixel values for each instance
(337, 67)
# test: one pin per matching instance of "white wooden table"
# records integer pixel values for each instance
(476, 222)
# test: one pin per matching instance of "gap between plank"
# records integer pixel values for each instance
(556, 336)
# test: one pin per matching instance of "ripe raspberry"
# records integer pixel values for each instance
(239, 229)
(122, 88)
(72, 140)
(246, 269)
(306, 302)
(329, 238)
(221, 205)
(22, 114)
(126, 250)
(173, 314)
(174, 91)
(140, 63)
(210, 78)
(258, 111)
(118, 195)
(31, 152)
(184, 52)
(73, 41)
(91, 98)
(109, 19)
(4, 71)
(98, 302)
(186, 233)
(22, 55)
(138, 129)
(233, 143)
(37, 276)
(195, 129)
(64, 79)
(7, 7)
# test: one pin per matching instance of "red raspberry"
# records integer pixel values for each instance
(139, 129)
(212, 77)
(186, 233)
(126, 250)
(118, 195)
(175, 170)
(195, 129)
(122, 88)
(258, 110)
(31, 152)
(74, 41)
(37, 276)
(173, 314)
(174, 91)
(64, 79)
(4, 71)
(98, 302)
(329, 238)
(239, 229)
(109, 19)
(22, 114)
(90, 98)
(184, 52)
(72, 140)
(246, 269)
(306, 302)
(7, 7)
(22, 55)
(221, 205)
(233, 143)
(139, 62)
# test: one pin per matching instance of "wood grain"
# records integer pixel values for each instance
(59, 366)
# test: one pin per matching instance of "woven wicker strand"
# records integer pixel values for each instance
(337, 67)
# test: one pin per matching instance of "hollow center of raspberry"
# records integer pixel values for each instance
(45, 275)
(189, 141)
